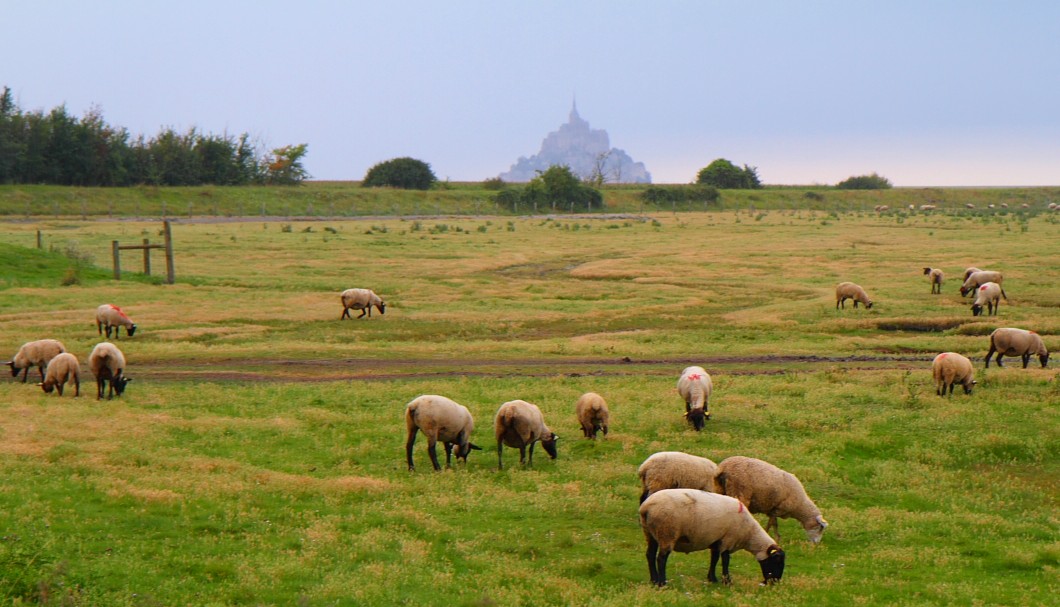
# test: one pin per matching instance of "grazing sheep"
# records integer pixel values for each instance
(108, 365)
(766, 489)
(518, 424)
(935, 278)
(440, 419)
(968, 272)
(689, 520)
(363, 300)
(849, 290)
(111, 316)
(35, 354)
(978, 279)
(695, 387)
(927, 207)
(969, 205)
(1017, 342)
(880, 208)
(62, 369)
(989, 294)
(593, 414)
(950, 368)
(675, 470)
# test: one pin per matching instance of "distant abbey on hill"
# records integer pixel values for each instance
(586, 151)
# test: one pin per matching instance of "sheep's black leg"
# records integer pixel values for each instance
(25, 374)
(990, 353)
(998, 359)
(725, 578)
(661, 566)
(653, 572)
(59, 387)
(408, 448)
(345, 313)
(362, 314)
(500, 465)
(99, 388)
(1026, 360)
(77, 386)
(448, 455)
(715, 551)
(522, 454)
(530, 460)
(433, 452)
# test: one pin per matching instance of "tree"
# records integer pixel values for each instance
(285, 166)
(405, 173)
(864, 182)
(557, 186)
(725, 175)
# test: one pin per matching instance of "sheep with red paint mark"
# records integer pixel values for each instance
(1007, 341)
(695, 386)
(766, 489)
(110, 316)
(980, 278)
(988, 295)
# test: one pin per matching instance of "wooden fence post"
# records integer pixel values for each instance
(40, 243)
(170, 274)
(147, 257)
(117, 262)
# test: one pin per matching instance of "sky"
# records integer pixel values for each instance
(922, 92)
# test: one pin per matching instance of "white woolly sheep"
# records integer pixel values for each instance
(950, 368)
(1017, 342)
(849, 290)
(766, 489)
(990, 295)
(440, 419)
(62, 369)
(969, 205)
(695, 386)
(968, 272)
(935, 278)
(35, 354)
(363, 300)
(108, 365)
(520, 424)
(592, 413)
(927, 207)
(689, 520)
(675, 470)
(110, 316)
(978, 279)
(880, 208)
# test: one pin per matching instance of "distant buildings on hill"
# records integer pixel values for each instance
(586, 151)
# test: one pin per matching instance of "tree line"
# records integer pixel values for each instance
(60, 149)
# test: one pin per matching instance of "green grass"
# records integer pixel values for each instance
(258, 456)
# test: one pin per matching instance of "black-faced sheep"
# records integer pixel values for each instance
(935, 278)
(675, 470)
(520, 424)
(977, 279)
(108, 365)
(363, 300)
(695, 386)
(689, 520)
(109, 316)
(1017, 342)
(35, 354)
(766, 489)
(849, 290)
(593, 414)
(989, 295)
(62, 369)
(950, 368)
(440, 419)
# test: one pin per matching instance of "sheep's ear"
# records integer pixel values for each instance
(40, 385)
(772, 550)
(554, 437)
(821, 521)
(10, 363)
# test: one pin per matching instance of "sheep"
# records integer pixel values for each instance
(950, 368)
(880, 208)
(592, 413)
(969, 271)
(935, 277)
(969, 205)
(849, 290)
(989, 294)
(1017, 342)
(690, 520)
(108, 365)
(695, 386)
(363, 300)
(978, 279)
(62, 369)
(927, 207)
(439, 418)
(518, 424)
(35, 354)
(675, 470)
(765, 488)
(111, 316)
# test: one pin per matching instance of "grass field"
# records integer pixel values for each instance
(258, 456)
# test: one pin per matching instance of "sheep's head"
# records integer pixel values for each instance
(131, 329)
(1042, 358)
(698, 418)
(47, 387)
(816, 529)
(927, 271)
(119, 383)
(977, 309)
(968, 385)
(550, 444)
(462, 451)
(868, 305)
(381, 307)
(772, 565)
(14, 369)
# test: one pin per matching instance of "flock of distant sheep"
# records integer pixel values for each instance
(688, 503)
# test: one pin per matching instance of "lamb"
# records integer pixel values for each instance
(675, 470)
(695, 387)
(849, 290)
(935, 278)
(978, 279)
(439, 418)
(950, 368)
(363, 300)
(593, 414)
(689, 520)
(62, 369)
(1017, 342)
(108, 365)
(518, 424)
(111, 316)
(35, 354)
(766, 489)
(989, 294)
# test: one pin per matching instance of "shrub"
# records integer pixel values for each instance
(725, 175)
(864, 182)
(405, 173)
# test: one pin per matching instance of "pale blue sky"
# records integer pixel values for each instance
(923, 92)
